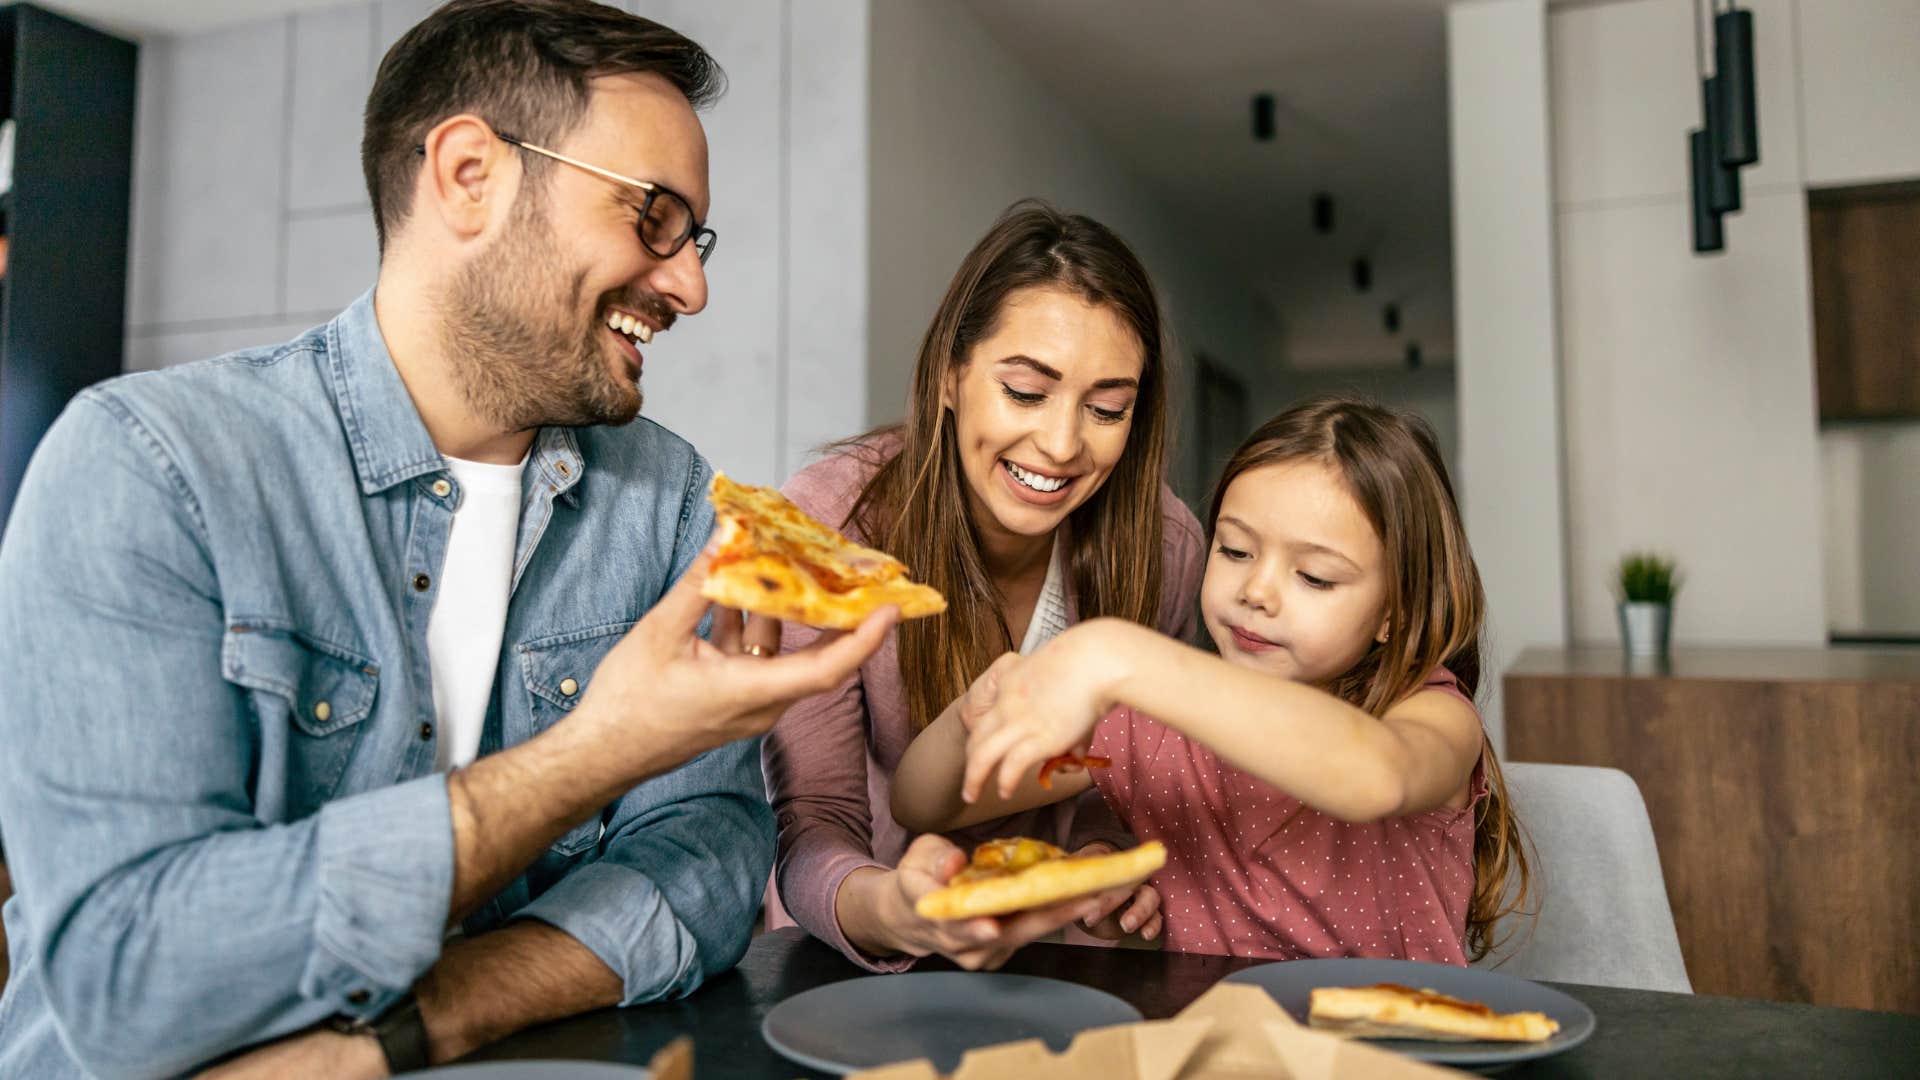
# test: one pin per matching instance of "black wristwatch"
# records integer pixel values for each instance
(400, 1031)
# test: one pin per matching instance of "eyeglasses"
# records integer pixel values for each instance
(666, 220)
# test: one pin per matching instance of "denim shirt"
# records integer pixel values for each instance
(217, 725)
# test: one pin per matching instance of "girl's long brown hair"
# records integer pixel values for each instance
(915, 505)
(1392, 467)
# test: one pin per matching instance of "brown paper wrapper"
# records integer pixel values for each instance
(1230, 1032)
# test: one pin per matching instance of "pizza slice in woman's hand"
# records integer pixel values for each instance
(1019, 874)
(773, 559)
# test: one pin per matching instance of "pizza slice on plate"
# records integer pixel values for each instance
(1012, 875)
(1391, 1011)
(775, 560)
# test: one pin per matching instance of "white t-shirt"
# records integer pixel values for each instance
(470, 611)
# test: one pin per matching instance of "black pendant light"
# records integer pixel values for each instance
(1322, 212)
(1703, 161)
(1362, 274)
(1390, 318)
(1723, 193)
(1263, 117)
(1738, 122)
(1707, 234)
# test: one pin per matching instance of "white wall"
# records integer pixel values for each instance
(960, 129)
(1509, 395)
(1860, 79)
(1690, 421)
(1872, 485)
(251, 220)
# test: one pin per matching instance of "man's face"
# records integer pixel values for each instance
(526, 322)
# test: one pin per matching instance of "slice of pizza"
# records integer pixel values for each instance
(773, 559)
(1012, 875)
(1071, 762)
(1391, 1011)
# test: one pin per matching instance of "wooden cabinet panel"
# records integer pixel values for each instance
(1786, 815)
(1865, 249)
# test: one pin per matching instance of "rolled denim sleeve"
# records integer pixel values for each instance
(170, 924)
(669, 898)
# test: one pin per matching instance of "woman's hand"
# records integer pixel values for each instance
(1042, 705)
(876, 912)
(1130, 912)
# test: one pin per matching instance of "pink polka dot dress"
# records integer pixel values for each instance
(1252, 871)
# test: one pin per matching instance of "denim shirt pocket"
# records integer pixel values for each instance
(556, 670)
(318, 693)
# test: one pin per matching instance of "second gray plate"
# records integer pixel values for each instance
(1291, 983)
(940, 1015)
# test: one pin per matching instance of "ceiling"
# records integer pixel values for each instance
(1361, 95)
(1360, 88)
(141, 18)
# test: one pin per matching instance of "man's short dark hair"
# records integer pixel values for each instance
(523, 66)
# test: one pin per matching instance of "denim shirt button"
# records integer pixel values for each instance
(359, 997)
(426, 732)
(321, 711)
(569, 687)
(442, 488)
(421, 582)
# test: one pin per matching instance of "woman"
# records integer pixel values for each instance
(1026, 485)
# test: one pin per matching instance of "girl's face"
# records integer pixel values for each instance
(1042, 409)
(1296, 580)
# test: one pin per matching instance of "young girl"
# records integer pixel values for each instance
(1322, 785)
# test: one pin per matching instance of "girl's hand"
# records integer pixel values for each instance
(1042, 705)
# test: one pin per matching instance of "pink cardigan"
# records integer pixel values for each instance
(830, 760)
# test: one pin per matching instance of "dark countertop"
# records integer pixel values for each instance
(1641, 1033)
(1838, 664)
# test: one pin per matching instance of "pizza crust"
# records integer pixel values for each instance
(773, 559)
(1043, 883)
(1397, 1012)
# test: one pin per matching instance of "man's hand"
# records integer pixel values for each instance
(313, 1052)
(660, 697)
(666, 696)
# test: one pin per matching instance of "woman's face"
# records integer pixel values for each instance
(1042, 409)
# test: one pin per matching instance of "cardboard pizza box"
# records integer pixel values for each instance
(1231, 1031)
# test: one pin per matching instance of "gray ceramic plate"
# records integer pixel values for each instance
(939, 1015)
(535, 1070)
(1292, 981)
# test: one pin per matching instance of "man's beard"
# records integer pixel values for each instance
(506, 328)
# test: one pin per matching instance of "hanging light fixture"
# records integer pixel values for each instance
(1738, 122)
(1362, 274)
(1390, 318)
(1322, 212)
(1723, 188)
(1703, 160)
(1263, 117)
(1707, 234)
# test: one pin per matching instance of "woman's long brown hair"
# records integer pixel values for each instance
(1392, 467)
(915, 507)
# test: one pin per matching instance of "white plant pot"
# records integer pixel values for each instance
(1645, 628)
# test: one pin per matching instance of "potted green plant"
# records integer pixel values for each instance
(1647, 584)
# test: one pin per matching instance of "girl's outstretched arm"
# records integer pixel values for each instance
(926, 786)
(1328, 754)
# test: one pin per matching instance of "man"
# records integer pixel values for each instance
(311, 654)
